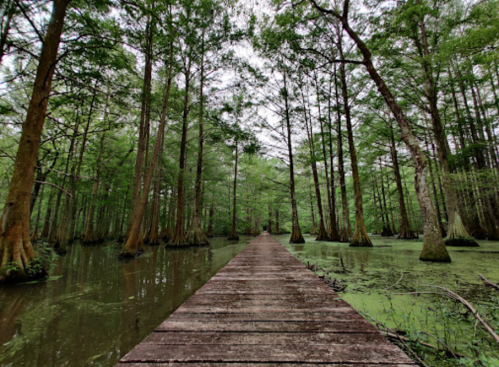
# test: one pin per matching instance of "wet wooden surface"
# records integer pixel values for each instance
(265, 308)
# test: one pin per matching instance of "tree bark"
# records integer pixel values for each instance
(322, 235)
(346, 230)
(197, 236)
(296, 236)
(143, 128)
(89, 237)
(233, 236)
(178, 236)
(18, 261)
(360, 237)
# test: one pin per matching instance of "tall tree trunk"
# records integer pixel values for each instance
(322, 235)
(405, 228)
(387, 227)
(210, 221)
(197, 236)
(233, 236)
(18, 261)
(143, 129)
(346, 230)
(66, 224)
(296, 236)
(333, 229)
(360, 237)
(437, 206)
(178, 237)
(133, 245)
(456, 232)
(89, 237)
(156, 199)
(10, 11)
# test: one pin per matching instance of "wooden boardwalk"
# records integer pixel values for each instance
(265, 308)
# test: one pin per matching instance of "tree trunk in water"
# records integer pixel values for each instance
(133, 245)
(322, 235)
(406, 232)
(156, 200)
(433, 246)
(233, 236)
(197, 236)
(437, 206)
(360, 237)
(164, 232)
(89, 237)
(144, 122)
(18, 261)
(178, 237)
(210, 222)
(171, 216)
(387, 228)
(296, 236)
(345, 231)
(456, 232)
(333, 229)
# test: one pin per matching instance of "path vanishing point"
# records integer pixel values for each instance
(265, 308)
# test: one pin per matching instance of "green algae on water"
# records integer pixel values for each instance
(381, 282)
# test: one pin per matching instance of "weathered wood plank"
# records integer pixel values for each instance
(265, 308)
(293, 353)
(357, 326)
(270, 316)
(232, 338)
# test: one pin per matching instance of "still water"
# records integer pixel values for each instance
(93, 309)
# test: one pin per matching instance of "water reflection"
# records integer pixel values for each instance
(95, 308)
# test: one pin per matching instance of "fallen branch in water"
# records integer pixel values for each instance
(451, 294)
(488, 283)
(398, 281)
(392, 334)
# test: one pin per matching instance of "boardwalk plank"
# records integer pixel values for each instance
(291, 353)
(265, 309)
(232, 338)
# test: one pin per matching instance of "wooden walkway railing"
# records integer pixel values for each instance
(265, 307)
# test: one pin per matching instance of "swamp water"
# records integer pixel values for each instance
(94, 308)
(370, 271)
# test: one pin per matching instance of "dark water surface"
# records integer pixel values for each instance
(94, 309)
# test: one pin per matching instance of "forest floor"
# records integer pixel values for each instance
(376, 277)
